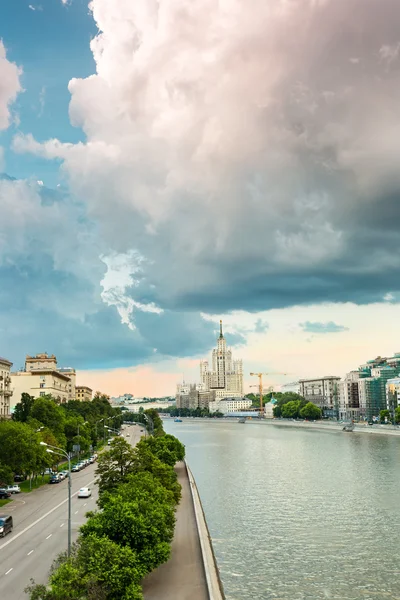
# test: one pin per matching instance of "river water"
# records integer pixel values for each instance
(297, 513)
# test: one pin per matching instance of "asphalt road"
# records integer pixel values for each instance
(41, 528)
(182, 577)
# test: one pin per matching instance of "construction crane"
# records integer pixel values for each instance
(260, 386)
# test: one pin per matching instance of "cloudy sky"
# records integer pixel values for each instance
(169, 163)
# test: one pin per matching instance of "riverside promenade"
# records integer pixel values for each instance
(190, 573)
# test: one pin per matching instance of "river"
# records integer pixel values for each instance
(296, 513)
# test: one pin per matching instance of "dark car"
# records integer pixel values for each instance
(4, 495)
(54, 479)
(19, 478)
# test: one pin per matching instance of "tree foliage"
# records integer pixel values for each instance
(22, 410)
(310, 411)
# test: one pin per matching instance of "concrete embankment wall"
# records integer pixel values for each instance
(214, 584)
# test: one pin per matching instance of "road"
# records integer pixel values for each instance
(41, 528)
(182, 577)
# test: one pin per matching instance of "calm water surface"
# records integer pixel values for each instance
(298, 514)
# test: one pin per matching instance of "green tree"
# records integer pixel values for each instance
(397, 414)
(6, 475)
(19, 447)
(167, 448)
(310, 411)
(23, 408)
(115, 464)
(384, 415)
(98, 569)
(49, 413)
(291, 409)
(145, 526)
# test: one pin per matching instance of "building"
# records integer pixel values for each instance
(230, 405)
(40, 382)
(40, 361)
(224, 380)
(269, 408)
(83, 393)
(71, 373)
(5, 388)
(324, 392)
(393, 394)
(349, 397)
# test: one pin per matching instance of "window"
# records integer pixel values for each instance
(42, 394)
(42, 385)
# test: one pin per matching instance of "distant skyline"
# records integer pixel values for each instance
(167, 164)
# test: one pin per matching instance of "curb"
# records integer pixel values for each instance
(214, 584)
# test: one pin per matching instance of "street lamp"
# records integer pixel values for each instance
(60, 451)
(149, 422)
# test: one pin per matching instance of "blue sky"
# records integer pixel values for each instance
(51, 43)
(199, 160)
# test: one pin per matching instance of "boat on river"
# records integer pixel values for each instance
(242, 420)
(349, 426)
(177, 420)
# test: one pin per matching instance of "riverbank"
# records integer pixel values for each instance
(319, 425)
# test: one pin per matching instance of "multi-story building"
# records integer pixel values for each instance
(349, 397)
(393, 394)
(41, 382)
(71, 373)
(83, 393)
(224, 380)
(40, 361)
(322, 391)
(5, 388)
(229, 405)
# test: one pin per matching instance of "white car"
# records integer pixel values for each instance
(14, 489)
(84, 492)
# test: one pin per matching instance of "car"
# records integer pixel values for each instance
(4, 495)
(47, 472)
(19, 478)
(61, 476)
(109, 441)
(75, 469)
(92, 459)
(6, 525)
(14, 489)
(65, 473)
(54, 479)
(84, 492)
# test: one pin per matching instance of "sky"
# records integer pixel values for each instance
(167, 164)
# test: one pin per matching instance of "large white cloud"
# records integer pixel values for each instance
(10, 85)
(247, 150)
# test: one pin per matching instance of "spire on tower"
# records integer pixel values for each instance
(220, 330)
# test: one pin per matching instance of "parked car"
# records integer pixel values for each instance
(75, 469)
(4, 495)
(61, 476)
(55, 479)
(6, 525)
(109, 441)
(65, 473)
(48, 472)
(92, 459)
(84, 492)
(14, 489)
(19, 478)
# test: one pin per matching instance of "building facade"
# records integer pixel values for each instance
(324, 392)
(83, 393)
(38, 383)
(349, 397)
(71, 373)
(223, 380)
(5, 388)
(229, 405)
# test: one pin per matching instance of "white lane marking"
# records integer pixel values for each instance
(49, 536)
(85, 504)
(76, 512)
(62, 525)
(30, 552)
(9, 571)
(15, 537)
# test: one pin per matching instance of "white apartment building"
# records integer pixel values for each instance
(71, 373)
(83, 393)
(40, 383)
(393, 393)
(5, 388)
(229, 405)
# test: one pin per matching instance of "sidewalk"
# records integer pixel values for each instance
(182, 577)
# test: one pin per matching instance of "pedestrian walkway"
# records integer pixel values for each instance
(182, 577)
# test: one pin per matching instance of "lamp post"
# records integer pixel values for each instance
(150, 423)
(60, 451)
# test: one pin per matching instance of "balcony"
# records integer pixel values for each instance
(7, 393)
